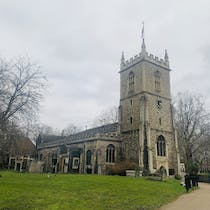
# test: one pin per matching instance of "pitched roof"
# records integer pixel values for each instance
(105, 129)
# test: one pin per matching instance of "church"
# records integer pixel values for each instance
(145, 133)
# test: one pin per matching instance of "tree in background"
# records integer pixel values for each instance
(202, 156)
(22, 87)
(107, 117)
(41, 129)
(193, 123)
(70, 129)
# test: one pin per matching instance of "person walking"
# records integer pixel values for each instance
(187, 182)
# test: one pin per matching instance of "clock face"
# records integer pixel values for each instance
(159, 104)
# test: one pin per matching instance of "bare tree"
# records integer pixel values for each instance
(107, 117)
(22, 87)
(36, 129)
(202, 156)
(70, 129)
(193, 123)
(7, 141)
(21, 90)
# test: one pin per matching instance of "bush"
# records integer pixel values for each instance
(178, 177)
(193, 168)
(145, 172)
(115, 170)
(121, 167)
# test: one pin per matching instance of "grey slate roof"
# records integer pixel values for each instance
(103, 130)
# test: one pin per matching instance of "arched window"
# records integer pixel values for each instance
(40, 156)
(88, 157)
(110, 154)
(157, 74)
(157, 81)
(63, 149)
(54, 158)
(161, 146)
(131, 81)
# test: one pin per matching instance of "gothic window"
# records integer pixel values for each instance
(157, 81)
(131, 120)
(40, 157)
(131, 81)
(54, 158)
(161, 146)
(110, 153)
(88, 157)
(63, 149)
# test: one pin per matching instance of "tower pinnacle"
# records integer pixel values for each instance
(143, 46)
(122, 59)
(166, 56)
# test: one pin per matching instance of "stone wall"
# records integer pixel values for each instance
(130, 109)
(130, 146)
(98, 155)
(36, 166)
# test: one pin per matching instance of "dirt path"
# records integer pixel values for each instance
(196, 200)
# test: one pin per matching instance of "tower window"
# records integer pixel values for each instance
(161, 146)
(160, 121)
(131, 82)
(131, 102)
(157, 81)
(159, 104)
(131, 120)
(157, 74)
(110, 153)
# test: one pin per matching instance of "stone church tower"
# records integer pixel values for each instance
(145, 113)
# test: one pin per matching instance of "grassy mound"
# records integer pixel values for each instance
(67, 191)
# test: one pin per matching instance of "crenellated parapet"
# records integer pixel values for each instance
(144, 56)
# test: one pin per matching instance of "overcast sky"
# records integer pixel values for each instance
(78, 44)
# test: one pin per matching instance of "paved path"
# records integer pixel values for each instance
(196, 200)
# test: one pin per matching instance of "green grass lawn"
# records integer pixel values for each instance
(67, 191)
